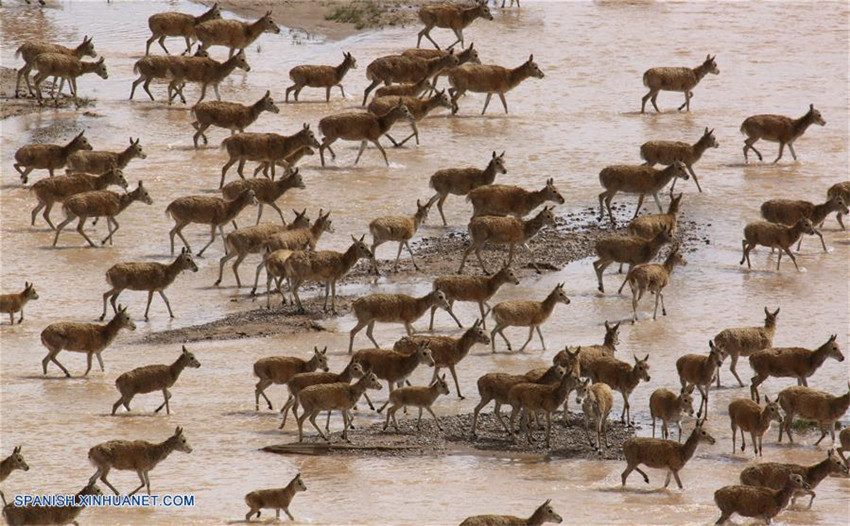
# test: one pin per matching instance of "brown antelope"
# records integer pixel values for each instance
(663, 454)
(531, 314)
(622, 377)
(301, 381)
(668, 152)
(627, 249)
(446, 351)
(338, 396)
(840, 189)
(11, 463)
(791, 362)
(788, 212)
(532, 398)
(419, 397)
(653, 277)
(206, 210)
(394, 367)
(64, 67)
(276, 499)
(360, 126)
(648, 226)
(543, 514)
(57, 189)
(469, 55)
(746, 415)
(47, 156)
(173, 24)
(82, 337)
(264, 147)
(320, 77)
(752, 501)
(30, 50)
(776, 236)
(668, 406)
(642, 180)
(99, 203)
(400, 229)
(461, 181)
(147, 276)
(149, 68)
(598, 402)
(151, 378)
(844, 439)
(503, 200)
(392, 308)
(234, 34)
(401, 69)
(99, 162)
(229, 115)
(508, 230)
(290, 161)
(490, 79)
(473, 288)
(419, 109)
(676, 79)
(281, 369)
(205, 71)
(589, 354)
(266, 190)
(811, 404)
(744, 341)
(778, 128)
(450, 16)
(773, 474)
(15, 302)
(698, 370)
(32, 514)
(140, 456)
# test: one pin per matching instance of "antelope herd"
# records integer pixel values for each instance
(502, 215)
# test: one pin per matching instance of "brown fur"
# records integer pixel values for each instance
(173, 24)
(840, 189)
(662, 454)
(698, 370)
(778, 128)
(788, 212)
(99, 203)
(229, 115)
(30, 50)
(791, 362)
(622, 377)
(88, 338)
(25, 515)
(649, 226)
(744, 341)
(776, 236)
(149, 68)
(13, 462)
(598, 402)
(287, 162)
(642, 180)
(100, 162)
(264, 147)
(450, 16)
(478, 289)
(152, 378)
(57, 189)
(234, 34)
(812, 404)
(419, 109)
(503, 200)
(47, 156)
(668, 406)
(676, 79)
(291, 240)
(531, 314)
(266, 190)
(589, 354)
(360, 126)
(746, 415)
(400, 229)
(753, 501)
(392, 366)
(413, 89)
(338, 396)
(668, 152)
(400, 69)
(320, 77)
(280, 369)
(461, 181)
(489, 79)
(392, 308)
(468, 55)
(205, 71)
(419, 397)
(653, 277)
(301, 381)
(276, 499)
(773, 474)
(206, 210)
(627, 249)
(64, 67)
(534, 398)
(15, 302)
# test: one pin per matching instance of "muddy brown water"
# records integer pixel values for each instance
(581, 117)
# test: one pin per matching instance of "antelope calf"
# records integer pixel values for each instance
(668, 406)
(668, 152)
(698, 370)
(744, 341)
(627, 249)
(840, 189)
(419, 397)
(650, 225)
(148, 276)
(445, 350)
(280, 369)
(653, 277)
(205, 71)
(811, 404)
(402, 69)
(414, 89)
(461, 181)
(400, 229)
(99, 203)
(531, 314)
(676, 79)
(360, 126)
(326, 266)
(788, 212)
(533, 398)
(392, 366)
(11, 463)
(57, 189)
(267, 191)
(450, 16)
(778, 128)
(502, 230)
(392, 308)
(505, 200)
(99, 162)
(622, 377)
(15, 302)
(87, 338)
(775, 236)
(234, 34)
(206, 210)
(301, 381)
(265, 147)
(419, 109)
(543, 514)
(47, 156)
(152, 378)
(229, 115)
(30, 50)
(32, 514)
(64, 67)
(663, 454)
(489, 79)
(140, 456)
(773, 474)
(642, 180)
(478, 289)
(598, 402)
(290, 161)
(746, 415)
(173, 24)
(333, 397)
(754, 501)
(276, 499)
(320, 77)
(791, 362)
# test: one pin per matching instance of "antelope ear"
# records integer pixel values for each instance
(354, 238)
(80, 134)
(708, 57)
(617, 326)
(811, 106)
(362, 237)
(646, 358)
(531, 58)
(777, 311)
(306, 126)
(502, 154)
(494, 154)
(547, 502)
(766, 399)
(607, 326)
(185, 350)
(101, 60)
(268, 93)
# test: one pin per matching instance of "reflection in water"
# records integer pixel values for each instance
(581, 117)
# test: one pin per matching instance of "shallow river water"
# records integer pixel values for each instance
(773, 58)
